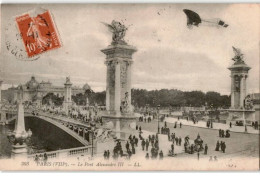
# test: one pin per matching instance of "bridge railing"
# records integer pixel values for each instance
(64, 153)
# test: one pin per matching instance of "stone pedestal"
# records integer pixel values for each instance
(123, 126)
(118, 88)
(239, 74)
(247, 116)
(19, 151)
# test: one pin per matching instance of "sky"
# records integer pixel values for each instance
(169, 55)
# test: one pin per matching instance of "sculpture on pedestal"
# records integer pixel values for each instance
(238, 58)
(118, 82)
(118, 30)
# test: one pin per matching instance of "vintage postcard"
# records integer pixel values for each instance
(129, 87)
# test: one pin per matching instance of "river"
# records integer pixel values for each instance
(45, 137)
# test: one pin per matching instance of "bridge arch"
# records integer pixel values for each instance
(61, 126)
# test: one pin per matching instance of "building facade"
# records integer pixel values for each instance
(34, 91)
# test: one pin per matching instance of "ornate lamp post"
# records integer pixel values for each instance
(146, 109)
(92, 141)
(158, 116)
(19, 136)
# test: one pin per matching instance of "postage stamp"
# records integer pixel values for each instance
(38, 33)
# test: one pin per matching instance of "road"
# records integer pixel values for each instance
(239, 144)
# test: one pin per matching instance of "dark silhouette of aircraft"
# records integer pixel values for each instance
(193, 19)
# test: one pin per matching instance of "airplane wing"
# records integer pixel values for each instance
(192, 17)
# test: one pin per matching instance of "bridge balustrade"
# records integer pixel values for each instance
(64, 153)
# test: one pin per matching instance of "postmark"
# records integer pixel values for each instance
(38, 33)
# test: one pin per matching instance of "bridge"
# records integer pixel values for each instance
(79, 130)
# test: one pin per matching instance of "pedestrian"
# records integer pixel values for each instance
(172, 148)
(105, 154)
(198, 154)
(206, 149)
(45, 157)
(191, 148)
(36, 158)
(152, 142)
(140, 128)
(172, 137)
(180, 125)
(219, 132)
(224, 147)
(221, 146)
(217, 146)
(136, 127)
(223, 133)
(146, 144)
(127, 146)
(133, 150)
(161, 155)
(175, 125)
(176, 140)
(180, 140)
(230, 125)
(169, 136)
(108, 154)
(143, 144)
(129, 154)
(136, 142)
(147, 156)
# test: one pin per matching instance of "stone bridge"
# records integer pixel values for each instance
(81, 131)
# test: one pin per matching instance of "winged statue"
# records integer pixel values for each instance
(118, 31)
(238, 55)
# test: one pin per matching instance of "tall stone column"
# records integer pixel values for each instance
(1, 93)
(67, 95)
(243, 90)
(129, 80)
(232, 92)
(117, 88)
(19, 123)
(107, 89)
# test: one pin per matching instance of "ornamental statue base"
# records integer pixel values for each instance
(246, 116)
(19, 151)
(122, 125)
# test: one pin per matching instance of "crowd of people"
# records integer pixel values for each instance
(222, 133)
(146, 119)
(221, 146)
(41, 157)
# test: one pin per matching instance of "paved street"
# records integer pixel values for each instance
(239, 144)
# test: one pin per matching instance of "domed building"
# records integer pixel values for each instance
(32, 84)
(86, 87)
(33, 91)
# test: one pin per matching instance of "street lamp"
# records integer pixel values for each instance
(158, 115)
(146, 109)
(92, 139)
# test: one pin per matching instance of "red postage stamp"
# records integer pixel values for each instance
(38, 33)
